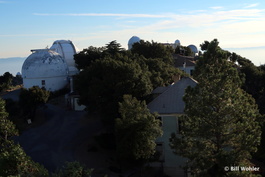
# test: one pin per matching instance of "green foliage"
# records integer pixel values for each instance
(113, 48)
(7, 128)
(161, 72)
(30, 99)
(15, 162)
(73, 169)
(110, 72)
(136, 130)
(84, 58)
(104, 82)
(220, 126)
(204, 46)
(5, 81)
(153, 50)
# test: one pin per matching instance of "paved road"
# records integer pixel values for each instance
(56, 141)
(14, 95)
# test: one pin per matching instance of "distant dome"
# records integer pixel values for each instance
(177, 42)
(133, 40)
(45, 68)
(66, 49)
(193, 48)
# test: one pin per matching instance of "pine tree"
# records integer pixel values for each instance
(136, 130)
(13, 159)
(220, 126)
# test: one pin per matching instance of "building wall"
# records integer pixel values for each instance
(172, 162)
(188, 69)
(51, 84)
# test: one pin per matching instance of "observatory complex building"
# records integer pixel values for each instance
(50, 68)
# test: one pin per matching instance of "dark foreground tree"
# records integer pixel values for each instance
(136, 130)
(30, 99)
(13, 160)
(221, 123)
(73, 169)
(102, 85)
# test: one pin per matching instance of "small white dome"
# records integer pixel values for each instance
(66, 49)
(177, 42)
(133, 40)
(193, 48)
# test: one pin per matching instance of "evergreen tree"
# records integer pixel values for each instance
(136, 130)
(73, 169)
(154, 50)
(102, 85)
(220, 126)
(13, 160)
(30, 99)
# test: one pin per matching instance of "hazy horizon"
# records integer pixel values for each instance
(14, 64)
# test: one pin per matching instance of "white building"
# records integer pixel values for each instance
(184, 63)
(50, 68)
(45, 68)
(67, 50)
(169, 105)
(133, 40)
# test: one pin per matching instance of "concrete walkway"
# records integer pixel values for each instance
(57, 140)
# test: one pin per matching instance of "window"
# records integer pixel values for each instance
(43, 82)
(191, 72)
(161, 120)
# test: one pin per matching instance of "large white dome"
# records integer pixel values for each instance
(66, 49)
(45, 68)
(133, 40)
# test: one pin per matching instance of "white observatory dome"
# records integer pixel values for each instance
(67, 50)
(193, 48)
(177, 42)
(45, 68)
(133, 40)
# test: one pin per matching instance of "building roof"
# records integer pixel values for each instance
(171, 100)
(179, 60)
(44, 63)
(160, 90)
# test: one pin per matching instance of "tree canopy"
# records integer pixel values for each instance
(13, 160)
(103, 84)
(136, 130)
(115, 72)
(221, 125)
(153, 50)
(30, 99)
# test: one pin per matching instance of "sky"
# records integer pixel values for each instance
(238, 25)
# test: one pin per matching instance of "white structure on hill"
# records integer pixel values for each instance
(50, 68)
(133, 40)
(67, 50)
(45, 68)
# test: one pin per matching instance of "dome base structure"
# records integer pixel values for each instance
(45, 68)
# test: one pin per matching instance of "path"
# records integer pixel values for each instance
(56, 141)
